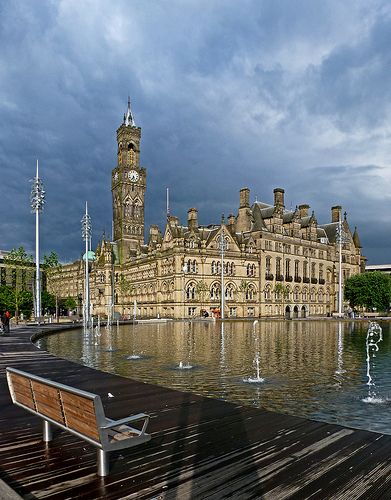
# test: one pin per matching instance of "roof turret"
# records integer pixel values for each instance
(356, 239)
(128, 116)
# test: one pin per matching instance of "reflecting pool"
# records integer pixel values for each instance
(323, 370)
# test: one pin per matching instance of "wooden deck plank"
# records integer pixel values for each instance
(200, 448)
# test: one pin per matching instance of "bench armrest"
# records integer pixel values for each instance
(132, 418)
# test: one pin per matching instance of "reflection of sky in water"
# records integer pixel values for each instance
(316, 369)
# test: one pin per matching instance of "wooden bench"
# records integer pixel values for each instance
(79, 412)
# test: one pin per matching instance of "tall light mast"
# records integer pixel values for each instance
(86, 230)
(37, 201)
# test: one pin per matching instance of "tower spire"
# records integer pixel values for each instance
(128, 116)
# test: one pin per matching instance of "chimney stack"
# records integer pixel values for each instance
(244, 201)
(192, 219)
(303, 210)
(336, 213)
(279, 197)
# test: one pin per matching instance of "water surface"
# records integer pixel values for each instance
(314, 369)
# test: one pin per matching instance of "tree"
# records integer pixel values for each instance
(6, 298)
(70, 303)
(53, 270)
(18, 257)
(49, 302)
(126, 287)
(281, 289)
(370, 290)
(201, 290)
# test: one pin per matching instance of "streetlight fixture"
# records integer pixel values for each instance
(37, 201)
(223, 247)
(341, 238)
(86, 230)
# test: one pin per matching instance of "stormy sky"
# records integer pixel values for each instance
(263, 94)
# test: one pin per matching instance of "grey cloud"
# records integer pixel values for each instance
(228, 94)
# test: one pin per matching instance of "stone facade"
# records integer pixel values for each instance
(277, 262)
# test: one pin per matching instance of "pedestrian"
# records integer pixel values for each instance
(6, 321)
(1, 324)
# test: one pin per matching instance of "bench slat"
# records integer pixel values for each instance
(82, 427)
(80, 414)
(22, 391)
(48, 401)
(24, 400)
(74, 400)
(19, 380)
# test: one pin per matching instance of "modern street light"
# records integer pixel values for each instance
(37, 201)
(341, 238)
(86, 230)
(223, 247)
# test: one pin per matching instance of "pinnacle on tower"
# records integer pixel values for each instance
(128, 116)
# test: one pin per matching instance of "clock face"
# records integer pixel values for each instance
(133, 176)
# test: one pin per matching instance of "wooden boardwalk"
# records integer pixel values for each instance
(201, 448)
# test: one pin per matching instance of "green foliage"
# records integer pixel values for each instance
(16, 300)
(126, 286)
(70, 303)
(48, 302)
(6, 298)
(51, 262)
(18, 256)
(24, 302)
(281, 289)
(370, 290)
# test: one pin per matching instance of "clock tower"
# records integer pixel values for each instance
(128, 184)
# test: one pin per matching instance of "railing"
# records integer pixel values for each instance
(289, 278)
(322, 281)
(314, 281)
(269, 276)
(297, 279)
(279, 277)
(306, 280)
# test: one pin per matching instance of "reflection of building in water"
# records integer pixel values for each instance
(278, 262)
(297, 359)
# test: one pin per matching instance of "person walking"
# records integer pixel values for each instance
(6, 321)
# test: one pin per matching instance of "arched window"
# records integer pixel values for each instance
(278, 266)
(215, 291)
(304, 294)
(312, 295)
(268, 266)
(287, 268)
(229, 291)
(250, 292)
(267, 292)
(214, 268)
(296, 269)
(190, 291)
(296, 294)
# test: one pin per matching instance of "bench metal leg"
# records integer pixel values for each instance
(47, 431)
(103, 462)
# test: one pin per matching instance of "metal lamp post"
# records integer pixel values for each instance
(86, 230)
(341, 239)
(223, 247)
(37, 201)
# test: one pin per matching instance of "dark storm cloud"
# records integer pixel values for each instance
(256, 93)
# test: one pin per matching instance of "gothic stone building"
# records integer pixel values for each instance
(277, 262)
